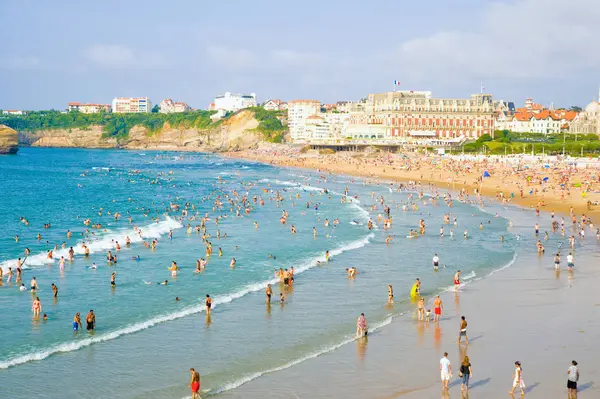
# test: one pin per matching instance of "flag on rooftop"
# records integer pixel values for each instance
(397, 82)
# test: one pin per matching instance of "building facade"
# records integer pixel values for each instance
(122, 105)
(298, 112)
(168, 106)
(275, 105)
(234, 102)
(545, 121)
(13, 112)
(412, 114)
(88, 108)
(588, 121)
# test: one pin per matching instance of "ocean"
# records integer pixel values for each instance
(145, 341)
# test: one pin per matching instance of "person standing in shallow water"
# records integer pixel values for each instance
(361, 326)
(208, 303)
(90, 321)
(195, 383)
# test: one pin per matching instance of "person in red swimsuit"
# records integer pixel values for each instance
(457, 280)
(437, 308)
(195, 384)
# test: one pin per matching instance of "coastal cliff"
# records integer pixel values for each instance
(9, 140)
(236, 133)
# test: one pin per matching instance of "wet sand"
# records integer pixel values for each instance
(524, 312)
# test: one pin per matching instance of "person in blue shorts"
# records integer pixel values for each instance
(76, 322)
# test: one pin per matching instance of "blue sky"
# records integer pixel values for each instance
(54, 52)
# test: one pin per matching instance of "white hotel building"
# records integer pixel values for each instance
(234, 102)
(298, 113)
(121, 105)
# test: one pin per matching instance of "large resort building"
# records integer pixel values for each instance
(411, 115)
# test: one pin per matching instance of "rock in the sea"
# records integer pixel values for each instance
(9, 140)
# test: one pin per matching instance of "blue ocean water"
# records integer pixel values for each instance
(145, 340)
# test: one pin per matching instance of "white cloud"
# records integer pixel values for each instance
(114, 56)
(520, 39)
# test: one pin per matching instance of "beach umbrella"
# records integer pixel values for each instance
(486, 173)
(545, 179)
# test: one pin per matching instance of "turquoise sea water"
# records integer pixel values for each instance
(145, 341)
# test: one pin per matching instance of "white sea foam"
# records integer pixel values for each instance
(311, 355)
(100, 243)
(507, 265)
(139, 326)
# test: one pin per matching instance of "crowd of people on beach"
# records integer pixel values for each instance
(237, 204)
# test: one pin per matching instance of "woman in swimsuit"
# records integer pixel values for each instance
(208, 303)
(390, 294)
(269, 292)
(421, 309)
(36, 307)
(361, 326)
(457, 280)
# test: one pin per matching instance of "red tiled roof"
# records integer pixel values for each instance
(523, 116)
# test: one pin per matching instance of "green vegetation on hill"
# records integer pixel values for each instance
(114, 125)
(506, 142)
(269, 124)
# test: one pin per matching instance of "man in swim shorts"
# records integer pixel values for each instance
(463, 330)
(195, 383)
(90, 320)
(437, 308)
(570, 261)
(436, 262)
(77, 322)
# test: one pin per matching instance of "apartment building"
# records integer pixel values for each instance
(131, 105)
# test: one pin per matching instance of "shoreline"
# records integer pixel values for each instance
(427, 175)
(542, 318)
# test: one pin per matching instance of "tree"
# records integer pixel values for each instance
(155, 109)
(575, 108)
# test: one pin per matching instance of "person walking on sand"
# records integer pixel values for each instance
(361, 326)
(465, 373)
(445, 371)
(437, 308)
(463, 330)
(195, 383)
(518, 379)
(573, 377)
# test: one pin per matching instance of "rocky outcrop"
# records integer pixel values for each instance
(77, 138)
(9, 140)
(234, 134)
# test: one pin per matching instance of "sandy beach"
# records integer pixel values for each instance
(533, 182)
(525, 312)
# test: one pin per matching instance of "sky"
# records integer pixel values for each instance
(54, 52)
